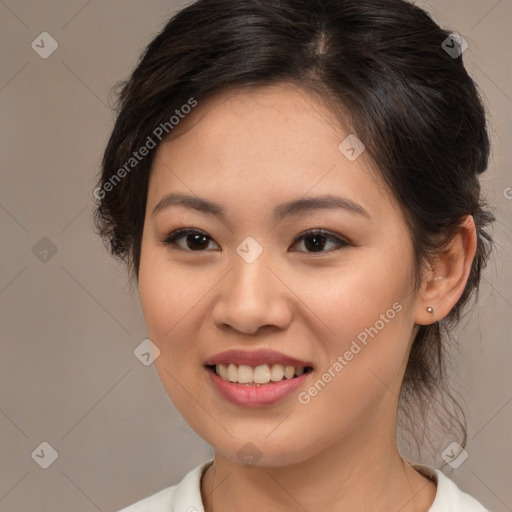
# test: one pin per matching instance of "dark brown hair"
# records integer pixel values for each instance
(386, 64)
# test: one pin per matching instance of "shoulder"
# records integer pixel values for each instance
(184, 496)
(449, 498)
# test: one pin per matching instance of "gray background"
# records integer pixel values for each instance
(68, 374)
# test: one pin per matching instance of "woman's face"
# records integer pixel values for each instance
(249, 279)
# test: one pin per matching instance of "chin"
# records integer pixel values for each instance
(259, 451)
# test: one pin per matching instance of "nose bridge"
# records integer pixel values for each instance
(252, 296)
(251, 278)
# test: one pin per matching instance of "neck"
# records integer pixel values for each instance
(357, 474)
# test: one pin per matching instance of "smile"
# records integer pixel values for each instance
(254, 394)
(257, 375)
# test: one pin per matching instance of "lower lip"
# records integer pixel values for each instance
(256, 396)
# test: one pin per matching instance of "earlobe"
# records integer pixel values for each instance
(427, 316)
(444, 283)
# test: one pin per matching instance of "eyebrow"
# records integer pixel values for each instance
(294, 207)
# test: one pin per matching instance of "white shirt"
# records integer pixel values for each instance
(186, 496)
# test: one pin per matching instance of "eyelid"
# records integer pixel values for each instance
(169, 239)
(341, 241)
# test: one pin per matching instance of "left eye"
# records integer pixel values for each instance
(318, 238)
(197, 241)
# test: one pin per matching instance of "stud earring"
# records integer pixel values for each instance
(430, 309)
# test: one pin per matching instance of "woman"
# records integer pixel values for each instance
(294, 186)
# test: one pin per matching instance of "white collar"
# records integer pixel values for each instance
(186, 496)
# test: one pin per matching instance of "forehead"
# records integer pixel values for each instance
(262, 144)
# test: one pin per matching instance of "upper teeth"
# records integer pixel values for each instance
(262, 374)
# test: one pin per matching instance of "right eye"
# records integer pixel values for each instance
(195, 240)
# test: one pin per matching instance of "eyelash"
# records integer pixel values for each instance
(172, 237)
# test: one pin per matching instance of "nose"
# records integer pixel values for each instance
(253, 297)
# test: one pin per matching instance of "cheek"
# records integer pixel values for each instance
(365, 362)
(174, 302)
(170, 300)
(367, 311)
(167, 293)
(362, 296)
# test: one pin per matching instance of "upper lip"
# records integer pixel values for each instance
(255, 358)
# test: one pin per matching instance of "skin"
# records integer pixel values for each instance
(250, 150)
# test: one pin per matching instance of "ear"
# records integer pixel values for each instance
(444, 283)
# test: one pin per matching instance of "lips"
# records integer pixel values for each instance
(256, 358)
(287, 375)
